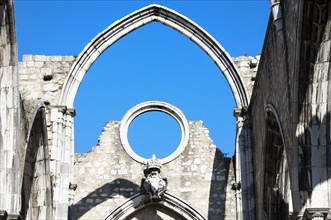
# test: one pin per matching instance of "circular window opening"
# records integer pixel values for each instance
(154, 132)
(152, 106)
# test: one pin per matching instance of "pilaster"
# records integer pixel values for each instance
(61, 158)
(244, 167)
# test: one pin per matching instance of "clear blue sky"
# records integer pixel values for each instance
(152, 63)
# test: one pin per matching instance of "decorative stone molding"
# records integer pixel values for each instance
(65, 110)
(72, 112)
(170, 201)
(315, 213)
(14, 217)
(154, 106)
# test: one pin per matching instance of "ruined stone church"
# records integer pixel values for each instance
(282, 163)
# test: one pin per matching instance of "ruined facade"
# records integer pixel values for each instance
(282, 164)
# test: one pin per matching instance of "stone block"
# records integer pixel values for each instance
(69, 58)
(56, 58)
(24, 77)
(50, 87)
(325, 51)
(39, 58)
(32, 71)
(27, 58)
(321, 71)
(39, 64)
(21, 65)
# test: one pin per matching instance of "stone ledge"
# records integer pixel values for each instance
(315, 213)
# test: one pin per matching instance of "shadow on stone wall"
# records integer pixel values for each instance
(314, 159)
(313, 108)
(276, 176)
(155, 211)
(116, 188)
(36, 180)
(217, 195)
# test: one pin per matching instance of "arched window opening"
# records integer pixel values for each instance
(276, 177)
(36, 187)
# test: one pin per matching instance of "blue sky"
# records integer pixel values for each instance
(152, 63)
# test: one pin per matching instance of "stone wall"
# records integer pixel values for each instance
(247, 66)
(46, 75)
(293, 83)
(271, 87)
(156, 212)
(107, 176)
(41, 81)
(36, 187)
(314, 99)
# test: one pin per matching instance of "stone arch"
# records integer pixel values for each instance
(36, 193)
(277, 194)
(170, 202)
(143, 17)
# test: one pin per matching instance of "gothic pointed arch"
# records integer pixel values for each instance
(173, 205)
(143, 17)
(36, 193)
(277, 193)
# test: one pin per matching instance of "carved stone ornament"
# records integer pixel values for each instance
(153, 184)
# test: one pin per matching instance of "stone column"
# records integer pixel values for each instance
(10, 167)
(244, 168)
(61, 158)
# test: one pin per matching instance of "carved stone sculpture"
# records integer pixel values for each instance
(153, 184)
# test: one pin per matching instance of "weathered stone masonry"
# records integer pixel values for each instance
(46, 75)
(107, 176)
(290, 105)
(49, 73)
